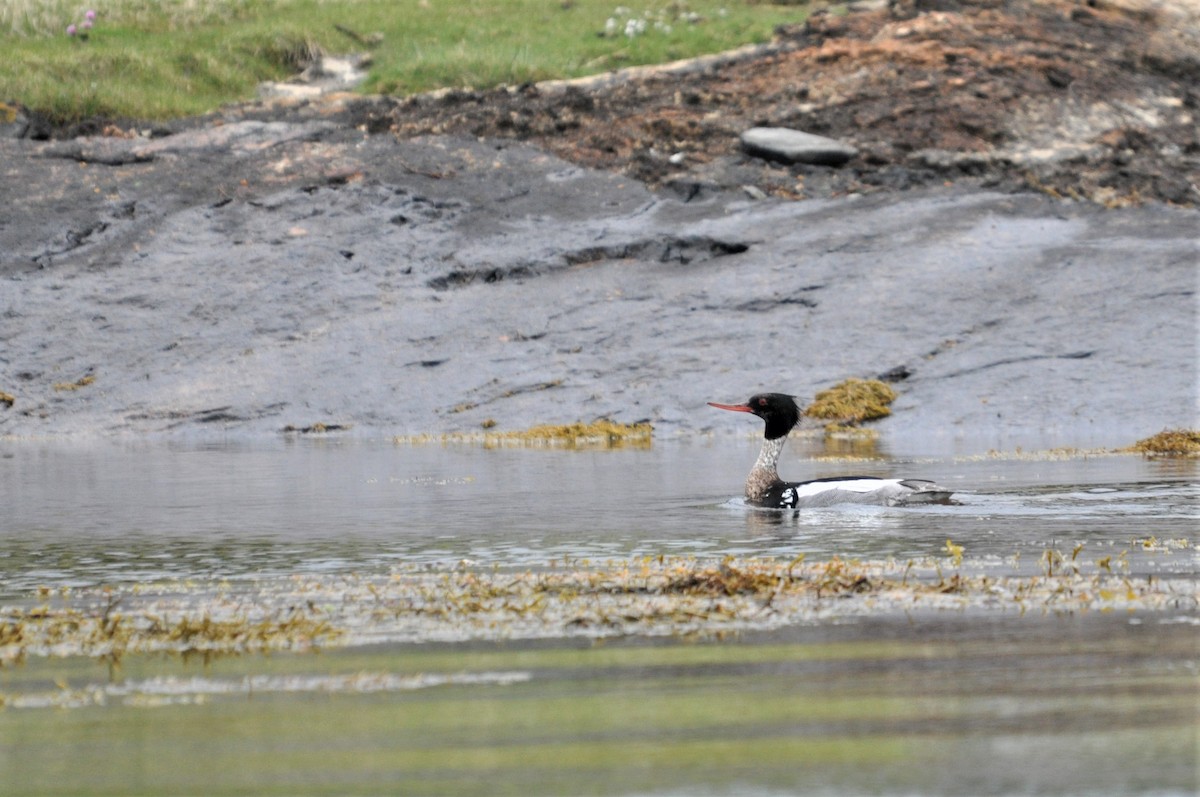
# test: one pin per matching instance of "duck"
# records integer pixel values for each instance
(780, 414)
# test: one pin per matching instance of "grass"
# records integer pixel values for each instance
(156, 61)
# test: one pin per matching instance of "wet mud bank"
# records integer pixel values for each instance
(337, 264)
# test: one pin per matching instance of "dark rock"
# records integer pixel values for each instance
(897, 374)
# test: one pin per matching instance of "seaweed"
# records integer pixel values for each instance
(601, 433)
(83, 381)
(651, 596)
(1170, 443)
(852, 402)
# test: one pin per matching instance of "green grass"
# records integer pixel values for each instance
(182, 57)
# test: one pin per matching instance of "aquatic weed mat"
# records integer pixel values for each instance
(645, 597)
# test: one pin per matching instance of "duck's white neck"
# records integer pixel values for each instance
(764, 473)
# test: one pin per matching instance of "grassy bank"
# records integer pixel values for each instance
(181, 57)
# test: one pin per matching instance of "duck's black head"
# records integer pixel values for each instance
(778, 410)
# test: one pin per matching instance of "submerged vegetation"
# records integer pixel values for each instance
(162, 60)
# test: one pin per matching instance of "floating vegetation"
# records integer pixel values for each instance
(597, 434)
(852, 402)
(955, 552)
(1170, 443)
(603, 433)
(838, 431)
(1061, 454)
(657, 596)
(97, 629)
(1163, 546)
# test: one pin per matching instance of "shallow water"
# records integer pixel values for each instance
(107, 514)
(942, 702)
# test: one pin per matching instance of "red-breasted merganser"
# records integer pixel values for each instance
(765, 488)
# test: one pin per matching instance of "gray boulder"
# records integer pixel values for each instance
(794, 146)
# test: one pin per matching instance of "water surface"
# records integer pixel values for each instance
(108, 513)
(991, 701)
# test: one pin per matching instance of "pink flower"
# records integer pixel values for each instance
(90, 15)
(87, 24)
(70, 30)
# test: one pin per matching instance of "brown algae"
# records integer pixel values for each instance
(597, 434)
(78, 383)
(1170, 443)
(95, 629)
(655, 596)
(602, 433)
(852, 402)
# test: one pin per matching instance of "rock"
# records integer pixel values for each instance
(231, 286)
(867, 6)
(324, 75)
(13, 123)
(947, 161)
(794, 146)
(237, 137)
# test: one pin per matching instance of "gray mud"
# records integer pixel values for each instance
(253, 276)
